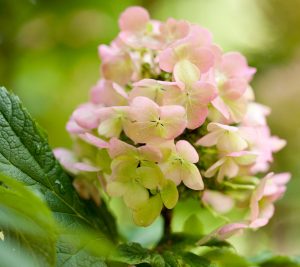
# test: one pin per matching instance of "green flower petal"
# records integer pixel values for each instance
(148, 212)
(116, 189)
(169, 194)
(135, 196)
(149, 177)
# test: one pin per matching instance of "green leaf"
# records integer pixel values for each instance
(171, 259)
(224, 257)
(280, 261)
(26, 218)
(193, 260)
(214, 242)
(193, 226)
(10, 257)
(26, 156)
(267, 259)
(134, 253)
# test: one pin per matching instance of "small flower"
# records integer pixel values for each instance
(270, 189)
(108, 93)
(137, 30)
(229, 165)
(263, 144)
(173, 30)
(70, 162)
(194, 97)
(194, 49)
(148, 123)
(134, 19)
(179, 165)
(111, 120)
(153, 89)
(231, 76)
(133, 155)
(256, 115)
(114, 62)
(135, 172)
(85, 117)
(226, 138)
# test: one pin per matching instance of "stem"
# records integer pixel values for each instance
(167, 215)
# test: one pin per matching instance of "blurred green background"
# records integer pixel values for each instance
(48, 56)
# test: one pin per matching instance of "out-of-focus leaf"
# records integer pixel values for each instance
(193, 260)
(9, 257)
(267, 259)
(193, 226)
(172, 259)
(25, 218)
(223, 257)
(214, 242)
(86, 248)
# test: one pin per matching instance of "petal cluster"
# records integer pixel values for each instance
(172, 110)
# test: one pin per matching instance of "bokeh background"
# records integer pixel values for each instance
(48, 56)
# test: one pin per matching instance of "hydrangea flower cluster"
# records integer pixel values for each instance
(173, 111)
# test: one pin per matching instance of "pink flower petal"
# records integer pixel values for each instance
(134, 19)
(234, 88)
(94, 140)
(151, 153)
(149, 88)
(212, 170)
(210, 139)
(73, 128)
(143, 109)
(231, 229)
(196, 116)
(85, 117)
(173, 30)
(85, 167)
(219, 104)
(167, 60)
(187, 151)
(281, 178)
(121, 62)
(108, 94)
(204, 92)
(220, 202)
(203, 58)
(174, 119)
(235, 65)
(214, 126)
(118, 147)
(66, 158)
(257, 196)
(191, 177)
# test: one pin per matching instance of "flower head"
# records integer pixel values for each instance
(170, 108)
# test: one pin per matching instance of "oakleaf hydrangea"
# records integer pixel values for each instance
(173, 111)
